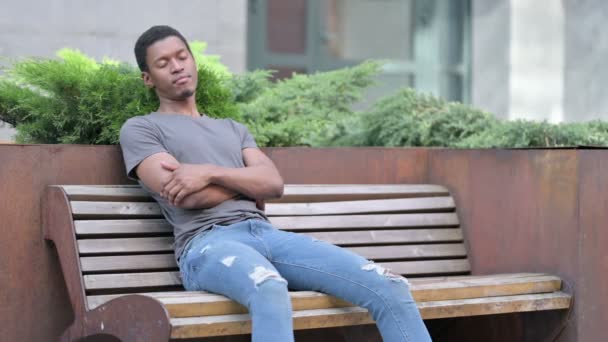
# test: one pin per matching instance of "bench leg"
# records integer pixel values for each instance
(129, 318)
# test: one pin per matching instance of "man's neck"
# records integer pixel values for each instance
(185, 107)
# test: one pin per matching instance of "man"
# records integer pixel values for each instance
(207, 175)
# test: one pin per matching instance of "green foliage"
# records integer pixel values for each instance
(408, 118)
(304, 109)
(74, 99)
(521, 134)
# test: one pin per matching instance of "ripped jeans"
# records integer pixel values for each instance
(252, 263)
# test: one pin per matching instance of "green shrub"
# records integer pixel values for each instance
(74, 99)
(522, 134)
(304, 109)
(409, 118)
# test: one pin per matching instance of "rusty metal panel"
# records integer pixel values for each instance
(35, 305)
(592, 286)
(350, 165)
(519, 212)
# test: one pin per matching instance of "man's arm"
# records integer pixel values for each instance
(259, 179)
(154, 176)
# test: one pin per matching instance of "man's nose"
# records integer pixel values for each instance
(176, 65)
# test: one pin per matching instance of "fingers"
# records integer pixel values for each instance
(180, 196)
(173, 192)
(168, 187)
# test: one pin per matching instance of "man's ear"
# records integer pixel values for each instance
(147, 80)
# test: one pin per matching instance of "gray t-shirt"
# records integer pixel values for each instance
(190, 140)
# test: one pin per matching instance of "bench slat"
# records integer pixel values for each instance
(361, 207)
(131, 280)
(165, 244)
(129, 245)
(325, 318)
(130, 263)
(106, 193)
(160, 279)
(116, 228)
(412, 251)
(346, 192)
(164, 261)
(389, 236)
(346, 222)
(85, 228)
(292, 192)
(84, 209)
(200, 303)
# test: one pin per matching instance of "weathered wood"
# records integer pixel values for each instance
(412, 251)
(134, 263)
(292, 192)
(131, 280)
(125, 246)
(93, 210)
(199, 303)
(128, 245)
(349, 192)
(160, 279)
(86, 228)
(428, 267)
(370, 237)
(122, 193)
(361, 207)
(347, 222)
(84, 209)
(128, 263)
(325, 318)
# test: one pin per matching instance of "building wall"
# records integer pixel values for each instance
(490, 56)
(540, 61)
(109, 28)
(528, 61)
(586, 42)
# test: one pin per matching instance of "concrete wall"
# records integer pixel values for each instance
(110, 28)
(540, 61)
(586, 42)
(525, 63)
(490, 56)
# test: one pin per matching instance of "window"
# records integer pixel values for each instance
(424, 43)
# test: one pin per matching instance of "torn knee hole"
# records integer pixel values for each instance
(261, 274)
(384, 272)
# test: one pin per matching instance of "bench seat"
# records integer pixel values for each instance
(115, 248)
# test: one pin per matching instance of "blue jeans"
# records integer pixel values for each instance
(252, 263)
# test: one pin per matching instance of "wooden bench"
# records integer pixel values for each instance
(116, 255)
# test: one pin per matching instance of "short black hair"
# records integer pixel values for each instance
(151, 36)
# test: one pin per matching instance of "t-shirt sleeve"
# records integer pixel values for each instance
(247, 140)
(139, 139)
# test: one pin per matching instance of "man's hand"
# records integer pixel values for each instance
(185, 180)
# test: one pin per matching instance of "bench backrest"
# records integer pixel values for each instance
(125, 246)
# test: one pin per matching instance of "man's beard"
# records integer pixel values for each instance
(186, 93)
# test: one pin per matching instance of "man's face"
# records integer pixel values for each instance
(171, 69)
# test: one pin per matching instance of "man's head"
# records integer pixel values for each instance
(166, 62)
